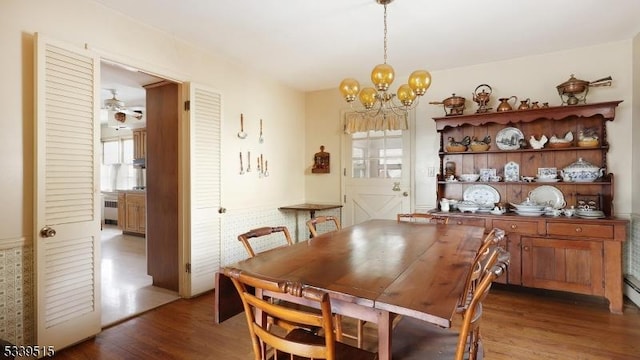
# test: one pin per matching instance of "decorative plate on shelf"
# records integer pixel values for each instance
(509, 138)
(548, 195)
(592, 214)
(481, 194)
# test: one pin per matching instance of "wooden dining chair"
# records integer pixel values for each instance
(313, 223)
(298, 341)
(263, 231)
(254, 234)
(479, 265)
(423, 217)
(417, 339)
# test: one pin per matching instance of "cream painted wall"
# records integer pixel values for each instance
(323, 128)
(119, 38)
(635, 146)
(632, 248)
(533, 77)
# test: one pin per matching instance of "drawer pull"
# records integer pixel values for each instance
(514, 226)
(459, 222)
(526, 248)
(578, 229)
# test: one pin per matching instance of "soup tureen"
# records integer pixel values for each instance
(581, 171)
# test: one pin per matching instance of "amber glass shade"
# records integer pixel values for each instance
(406, 95)
(368, 97)
(419, 81)
(349, 89)
(382, 76)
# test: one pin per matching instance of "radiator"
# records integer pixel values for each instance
(110, 209)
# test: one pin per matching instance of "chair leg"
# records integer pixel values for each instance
(340, 335)
(338, 325)
(474, 338)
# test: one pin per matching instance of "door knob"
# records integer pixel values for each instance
(405, 194)
(222, 210)
(47, 232)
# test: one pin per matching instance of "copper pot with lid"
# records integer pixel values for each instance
(569, 89)
(454, 103)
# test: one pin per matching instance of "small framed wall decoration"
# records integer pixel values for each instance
(321, 162)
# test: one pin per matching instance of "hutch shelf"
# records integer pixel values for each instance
(557, 253)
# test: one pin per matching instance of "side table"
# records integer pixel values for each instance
(311, 208)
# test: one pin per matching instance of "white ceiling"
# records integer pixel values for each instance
(314, 44)
(126, 82)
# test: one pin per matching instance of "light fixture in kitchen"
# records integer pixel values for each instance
(379, 100)
(118, 107)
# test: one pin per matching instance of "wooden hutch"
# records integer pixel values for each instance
(558, 253)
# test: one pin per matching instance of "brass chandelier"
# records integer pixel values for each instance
(379, 100)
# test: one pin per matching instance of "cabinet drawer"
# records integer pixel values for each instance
(471, 221)
(517, 226)
(581, 229)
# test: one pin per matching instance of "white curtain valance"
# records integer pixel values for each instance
(355, 122)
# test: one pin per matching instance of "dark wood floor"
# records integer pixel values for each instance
(517, 324)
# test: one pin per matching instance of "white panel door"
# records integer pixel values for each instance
(376, 173)
(203, 243)
(67, 217)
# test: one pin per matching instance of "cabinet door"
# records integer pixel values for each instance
(121, 210)
(136, 144)
(131, 213)
(136, 213)
(143, 144)
(142, 216)
(566, 265)
(139, 143)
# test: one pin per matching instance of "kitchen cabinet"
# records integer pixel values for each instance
(122, 196)
(132, 212)
(139, 143)
(579, 255)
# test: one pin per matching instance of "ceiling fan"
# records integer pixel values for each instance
(118, 106)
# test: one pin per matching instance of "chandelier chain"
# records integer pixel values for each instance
(379, 100)
(385, 33)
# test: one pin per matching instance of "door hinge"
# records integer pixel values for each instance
(344, 172)
(344, 199)
(188, 268)
(187, 105)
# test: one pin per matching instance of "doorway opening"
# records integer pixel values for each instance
(127, 290)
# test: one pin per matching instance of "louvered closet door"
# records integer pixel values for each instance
(204, 178)
(66, 196)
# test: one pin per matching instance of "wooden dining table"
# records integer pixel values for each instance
(374, 271)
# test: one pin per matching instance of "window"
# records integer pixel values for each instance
(376, 154)
(127, 151)
(117, 170)
(111, 152)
